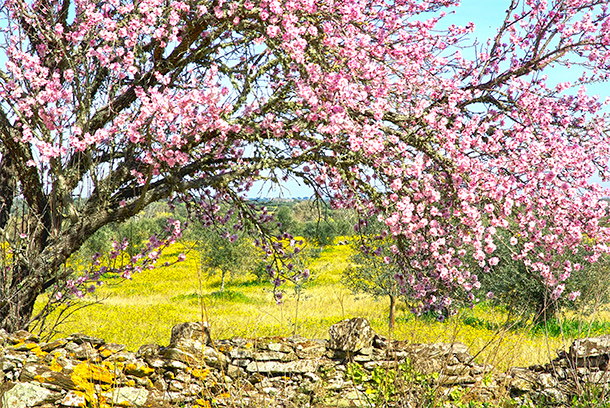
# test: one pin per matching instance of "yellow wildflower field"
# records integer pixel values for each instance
(144, 309)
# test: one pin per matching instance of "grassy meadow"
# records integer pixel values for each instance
(144, 309)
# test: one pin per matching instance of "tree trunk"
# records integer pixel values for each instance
(222, 280)
(19, 293)
(16, 315)
(392, 316)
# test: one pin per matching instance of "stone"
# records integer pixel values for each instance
(148, 351)
(122, 356)
(214, 358)
(351, 335)
(22, 336)
(187, 332)
(183, 377)
(522, 380)
(79, 338)
(547, 380)
(481, 369)
(53, 345)
(279, 347)
(109, 349)
(433, 358)
(591, 352)
(276, 367)
(190, 344)
(590, 347)
(380, 342)
(175, 365)
(45, 375)
(127, 396)
(82, 351)
(138, 369)
(7, 365)
(362, 358)
(27, 395)
(241, 362)
(367, 351)
(155, 362)
(274, 356)
(554, 396)
(240, 353)
(234, 371)
(598, 377)
(310, 348)
(73, 399)
(27, 346)
(171, 353)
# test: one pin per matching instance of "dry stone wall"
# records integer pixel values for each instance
(355, 367)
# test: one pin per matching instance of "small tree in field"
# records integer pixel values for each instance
(373, 276)
(231, 255)
(107, 106)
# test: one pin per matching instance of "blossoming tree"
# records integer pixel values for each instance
(109, 105)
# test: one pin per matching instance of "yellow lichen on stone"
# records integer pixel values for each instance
(105, 353)
(139, 370)
(35, 348)
(55, 366)
(86, 375)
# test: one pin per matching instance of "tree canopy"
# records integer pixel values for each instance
(109, 105)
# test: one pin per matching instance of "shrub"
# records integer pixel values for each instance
(525, 294)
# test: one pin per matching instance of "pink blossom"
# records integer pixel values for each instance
(558, 291)
(574, 295)
(273, 31)
(396, 184)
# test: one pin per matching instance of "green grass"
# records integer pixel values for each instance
(571, 327)
(227, 296)
(143, 310)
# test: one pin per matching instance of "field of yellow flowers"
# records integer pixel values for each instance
(143, 310)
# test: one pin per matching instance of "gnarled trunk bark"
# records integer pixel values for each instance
(19, 292)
